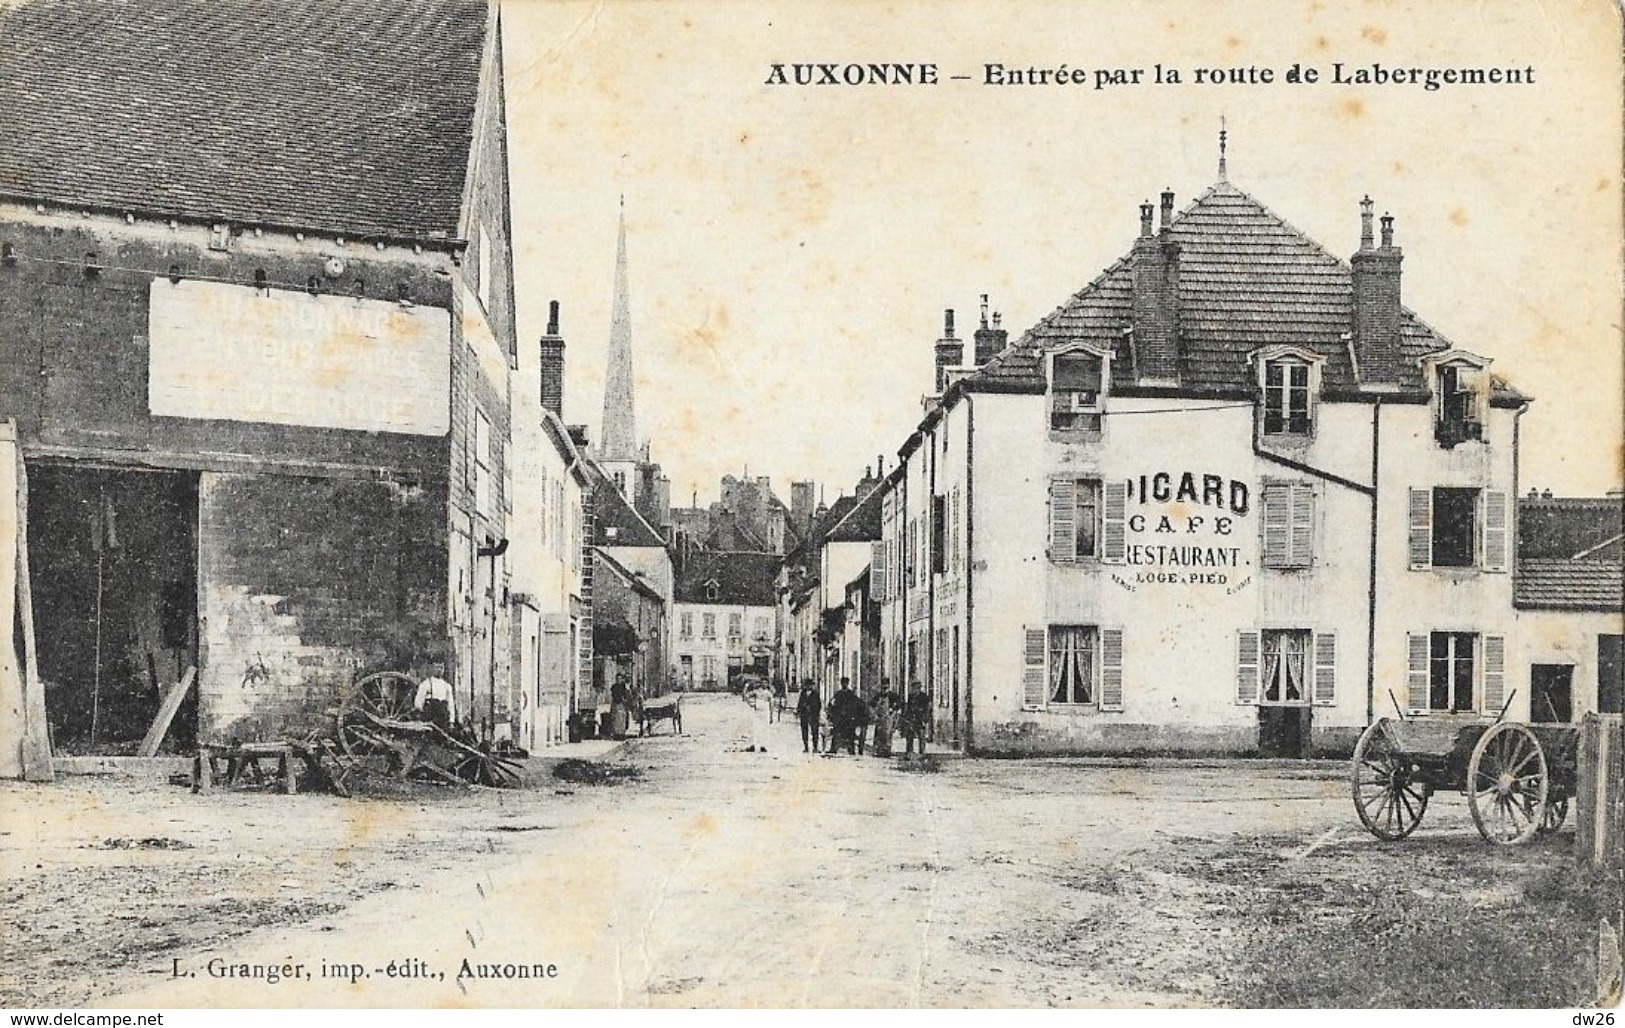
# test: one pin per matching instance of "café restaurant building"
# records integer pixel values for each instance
(1232, 497)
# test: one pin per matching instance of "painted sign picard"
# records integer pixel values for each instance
(1189, 529)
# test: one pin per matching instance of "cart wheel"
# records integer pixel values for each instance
(1506, 784)
(386, 694)
(1389, 800)
(1557, 811)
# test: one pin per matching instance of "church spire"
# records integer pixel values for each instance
(618, 435)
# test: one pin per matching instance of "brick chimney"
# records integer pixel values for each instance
(950, 350)
(553, 363)
(1156, 296)
(990, 339)
(1376, 301)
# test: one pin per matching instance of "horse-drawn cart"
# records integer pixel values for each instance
(1518, 778)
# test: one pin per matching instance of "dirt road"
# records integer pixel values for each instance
(719, 878)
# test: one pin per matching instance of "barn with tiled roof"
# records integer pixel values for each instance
(353, 117)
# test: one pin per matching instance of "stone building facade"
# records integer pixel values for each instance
(1231, 497)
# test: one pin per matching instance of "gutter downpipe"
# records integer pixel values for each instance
(970, 566)
(1512, 566)
(1371, 565)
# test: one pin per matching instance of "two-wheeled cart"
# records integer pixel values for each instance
(1518, 778)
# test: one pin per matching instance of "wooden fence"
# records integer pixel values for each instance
(1599, 795)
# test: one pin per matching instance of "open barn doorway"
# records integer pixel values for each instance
(113, 558)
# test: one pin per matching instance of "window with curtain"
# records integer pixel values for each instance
(1286, 667)
(1072, 663)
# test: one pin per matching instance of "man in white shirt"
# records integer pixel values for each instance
(436, 698)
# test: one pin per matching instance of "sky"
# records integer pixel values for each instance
(792, 249)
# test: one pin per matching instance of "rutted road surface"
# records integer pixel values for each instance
(719, 878)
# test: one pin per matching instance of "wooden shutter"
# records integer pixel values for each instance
(1495, 673)
(1247, 667)
(1111, 669)
(1063, 520)
(1034, 673)
(1276, 525)
(1416, 672)
(1302, 516)
(1113, 519)
(877, 571)
(1495, 530)
(1421, 528)
(1325, 689)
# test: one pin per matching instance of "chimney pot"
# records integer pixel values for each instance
(1365, 223)
(990, 338)
(552, 317)
(1387, 231)
(948, 323)
(1167, 208)
(1145, 218)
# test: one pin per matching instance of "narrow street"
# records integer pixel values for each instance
(717, 878)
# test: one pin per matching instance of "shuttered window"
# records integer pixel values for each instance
(1325, 669)
(1032, 667)
(483, 499)
(1247, 653)
(1286, 667)
(1111, 669)
(1416, 671)
(1495, 673)
(1072, 667)
(1289, 525)
(877, 572)
(939, 535)
(1419, 515)
(956, 538)
(1113, 521)
(1443, 669)
(1459, 528)
(1495, 530)
(1074, 519)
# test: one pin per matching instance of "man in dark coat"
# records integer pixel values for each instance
(916, 715)
(847, 715)
(808, 712)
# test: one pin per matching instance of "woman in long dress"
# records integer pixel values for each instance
(883, 718)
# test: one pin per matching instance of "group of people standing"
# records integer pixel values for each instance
(851, 719)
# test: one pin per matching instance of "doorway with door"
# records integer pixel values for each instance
(1551, 693)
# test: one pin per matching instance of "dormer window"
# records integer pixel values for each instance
(1459, 418)
(1077, 387)
(1286, 397)
(1288, 385)
(1460, 384)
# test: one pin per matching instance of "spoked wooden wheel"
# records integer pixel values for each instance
(1557, 811)
(388, 694)
(1388, 798)
(1506, 784)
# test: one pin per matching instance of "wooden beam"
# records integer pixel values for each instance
(166, 714)
(36, 736)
